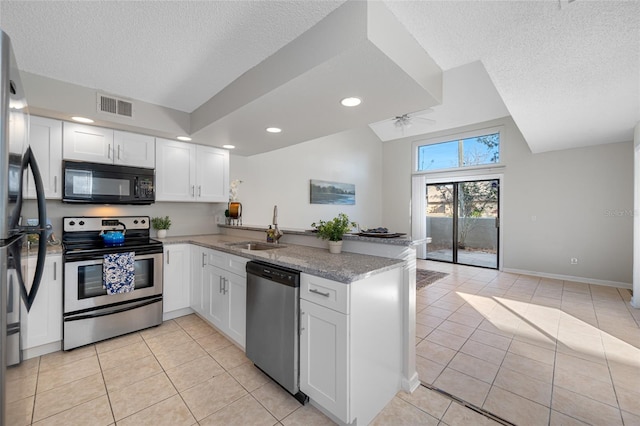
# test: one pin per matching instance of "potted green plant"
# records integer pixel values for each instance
(161, 224)
(333, 230)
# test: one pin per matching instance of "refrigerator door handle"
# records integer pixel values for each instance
(28, 159)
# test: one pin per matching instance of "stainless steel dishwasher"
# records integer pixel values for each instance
(273, 340)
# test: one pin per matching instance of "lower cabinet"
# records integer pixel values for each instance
(351, 344)
(177, 279)
(42, 325)
(323, 357)
(219, 291)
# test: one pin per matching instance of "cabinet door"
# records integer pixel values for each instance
(212, 174)
(87, 143)
(324, 358)
(45, 139)
(176, 285)
(236, 294)
(198, 263)
(175, 171)
(43, 323)
(132, 149)
(217, 301)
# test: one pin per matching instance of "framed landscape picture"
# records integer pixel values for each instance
(324, 192)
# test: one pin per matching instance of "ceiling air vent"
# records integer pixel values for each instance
(113, 105)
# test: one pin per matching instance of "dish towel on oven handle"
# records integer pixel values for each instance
(118, 272)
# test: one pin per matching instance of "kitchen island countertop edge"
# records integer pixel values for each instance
(344, 267)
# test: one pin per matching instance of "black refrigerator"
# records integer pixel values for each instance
(17, 167)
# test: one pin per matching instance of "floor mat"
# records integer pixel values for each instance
(424, 277)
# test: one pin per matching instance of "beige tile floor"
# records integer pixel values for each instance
(530, 350)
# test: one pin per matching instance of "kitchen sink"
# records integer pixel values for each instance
(255, 245)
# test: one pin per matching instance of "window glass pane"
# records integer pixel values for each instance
(474, 151)
(481, 150)
(438, 156)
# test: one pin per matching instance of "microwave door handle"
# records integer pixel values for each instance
(135, 187)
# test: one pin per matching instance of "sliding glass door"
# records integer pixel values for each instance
(462, 221)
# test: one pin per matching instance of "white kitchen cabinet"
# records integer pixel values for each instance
(212, 174)
(108, 146)
(348, 331)
(188, 172)
(133, 149)
(41, 327)
(45, 139)
(236, 307)
(198, 263)
(219, 291)
(177, 280)
(87, 143)
(175, 170)
(324, 368)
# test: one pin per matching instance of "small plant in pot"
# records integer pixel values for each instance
(333, 231)
(161, 224)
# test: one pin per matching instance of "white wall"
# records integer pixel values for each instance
(58, 99)
(282, 177)
(582, 200)
(635, 301)
(186, 218)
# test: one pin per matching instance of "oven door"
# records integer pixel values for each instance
(83, 283)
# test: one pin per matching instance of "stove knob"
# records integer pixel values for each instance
(144, 221)
(72, 223)
(81, 223)
(135, 222)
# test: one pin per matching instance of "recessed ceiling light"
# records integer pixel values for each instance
(274, 129)
(351, 102)
(228, 146)
(184, 138)
(82, 119)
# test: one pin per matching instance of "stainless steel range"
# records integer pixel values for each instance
(93, 311)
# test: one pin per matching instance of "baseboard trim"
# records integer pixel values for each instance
(570, 278)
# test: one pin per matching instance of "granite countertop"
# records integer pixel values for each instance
(344, 267)
(403, 240)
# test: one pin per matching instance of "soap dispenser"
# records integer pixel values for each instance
(270, 234)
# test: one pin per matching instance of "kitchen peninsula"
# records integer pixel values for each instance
(369, 310)
(352, 308)
(401, 248)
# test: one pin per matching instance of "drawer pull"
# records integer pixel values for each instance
(313, 290)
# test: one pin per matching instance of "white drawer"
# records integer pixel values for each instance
(217, 258)
(236, 264)
(324, 292)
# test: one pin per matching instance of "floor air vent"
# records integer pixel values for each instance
(112, 105)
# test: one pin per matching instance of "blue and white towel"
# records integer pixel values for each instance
(118, 272)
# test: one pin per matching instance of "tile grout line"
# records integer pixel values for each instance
(469, 405)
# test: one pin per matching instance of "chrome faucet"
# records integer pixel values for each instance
(277, 233)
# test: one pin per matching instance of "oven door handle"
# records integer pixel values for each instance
(106, 312)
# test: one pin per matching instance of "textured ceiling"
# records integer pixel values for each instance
(176, 54)
(568, 73)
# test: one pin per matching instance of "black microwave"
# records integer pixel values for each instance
(107, 183)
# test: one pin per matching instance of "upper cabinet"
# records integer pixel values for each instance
(132, 149)
(188, 172)
(100, 145)
(45, 139)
